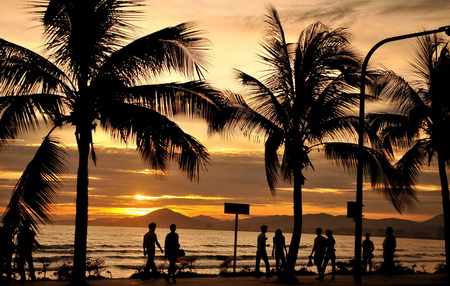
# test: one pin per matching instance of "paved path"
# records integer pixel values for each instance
(341, 280)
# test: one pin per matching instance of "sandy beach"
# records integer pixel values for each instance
(341, 280)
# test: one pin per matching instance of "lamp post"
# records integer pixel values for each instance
(359, 170)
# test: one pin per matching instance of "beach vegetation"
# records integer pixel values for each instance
(93, 75)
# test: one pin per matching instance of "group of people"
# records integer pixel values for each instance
(279, 250)
(323, 252)
(171, 252)
(389, 246)
(22, 243)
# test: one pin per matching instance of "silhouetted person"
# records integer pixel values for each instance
(171, 247)
(25, 243)
(367, 248)
(319, 248)
(389, 245)
(261, 252)
(7, 248)
(279, 249)
(150, 239)
(330, 253)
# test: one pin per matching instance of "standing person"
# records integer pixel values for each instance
(171, 247)
(319, 248)
(7, 248)
(150, 239)
(261, 252)
(330, 253)
(279, 249)
(368, 248)
(25, 244)
(389, 245)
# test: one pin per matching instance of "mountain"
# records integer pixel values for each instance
(163, 218)
(339, 224)
(437, 220)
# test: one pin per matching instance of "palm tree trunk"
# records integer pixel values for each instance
(81, 219)
(446, 208)
(289, 273)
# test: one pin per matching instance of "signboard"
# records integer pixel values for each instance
(237, 208)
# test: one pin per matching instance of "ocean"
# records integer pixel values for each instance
(121, 249)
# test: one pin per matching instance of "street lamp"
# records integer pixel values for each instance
(359, 170)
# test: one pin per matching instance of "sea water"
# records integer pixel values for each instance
(121, 249)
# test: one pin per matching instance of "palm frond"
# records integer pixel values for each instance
(23, 71)
(34, 194)
(193, 99)
(279, 76)
(159, 140)
(20, 114)
(180, 48)
(398, 91)
(376, 168)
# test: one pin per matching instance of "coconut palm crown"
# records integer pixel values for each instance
(97, 76)
(305, 101)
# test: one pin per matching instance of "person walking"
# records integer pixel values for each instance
(261, 252)
(279, 249)
(150, 239)
(368, 248)
(330, 253)
(389, 245)
(319, 248)
(171, 248)
(25, 244)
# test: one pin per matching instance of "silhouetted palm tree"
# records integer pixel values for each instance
(420, 119)
(305, 101)
(96, 76)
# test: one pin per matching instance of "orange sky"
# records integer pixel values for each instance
(122, 185)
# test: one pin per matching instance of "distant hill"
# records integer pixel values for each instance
(339, 224)
(437, 220)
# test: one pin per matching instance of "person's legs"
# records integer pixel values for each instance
(277, 262)
(283, 261)
(31, 267)
(333, 267)
(21, 267)
(151, 257)
(258, 261)
(266, 263)
(150, 264)
(325, 263)
(172, 269)
(318, 260)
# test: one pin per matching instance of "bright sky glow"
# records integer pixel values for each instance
(122, 185)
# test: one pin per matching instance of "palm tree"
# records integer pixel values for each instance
(97, 76)
(420, 118)
(304, 102)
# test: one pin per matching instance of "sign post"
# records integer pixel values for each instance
(236, 209)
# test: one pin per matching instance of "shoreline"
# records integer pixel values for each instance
(341, 280)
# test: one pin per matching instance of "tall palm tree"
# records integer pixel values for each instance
(420, 118)
(97, 76)
(304, 102)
